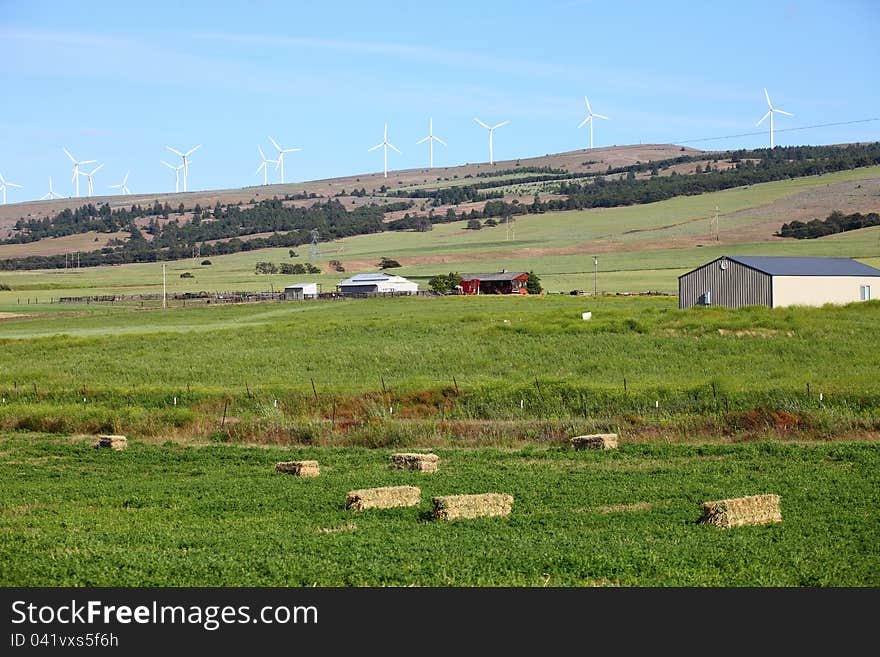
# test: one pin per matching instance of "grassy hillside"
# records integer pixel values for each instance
(643, 247)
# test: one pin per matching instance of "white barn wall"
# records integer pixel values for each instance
(819, 290)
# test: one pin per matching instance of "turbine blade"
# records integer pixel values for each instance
(441, 141)
(96, 169)
(275, 144)
(193, 150)
(375, 147)
(503, 123)
(262, 166)
(291, 150)
(783, 112)
(88, 161)
(9, 184)
(394, 147)
(422, 141)
(174, 150)
(125, 180)
(601, 116)
(767, 96)
(584, 122)
(168, 165)
(482, 124)
(587, 101)
(262, 155)
(72, 159)
(764, 117)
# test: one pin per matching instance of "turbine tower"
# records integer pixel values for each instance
(76, 164)
(122, 184)
(176, 171)
(280, 161)
(770, 113)
(4, 184)
(89, 176)
(51, 193)
(264, 166)
(491, 130)
(184, 156)
(589, 119)
(384, 146)
(431, 139)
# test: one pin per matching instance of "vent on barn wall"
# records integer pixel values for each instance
(723, 264)
(707, 298)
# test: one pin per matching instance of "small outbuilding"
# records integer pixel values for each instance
(777, 281)
(301, 291)
(502, 282)
(369, 284)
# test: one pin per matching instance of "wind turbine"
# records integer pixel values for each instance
(76, 164)
(51, 193)
(264, 166)
(176, 171)
(770, 113)
(384, 146)
(491, 130)
(280, 161)
(184, 156)
(431, 139)
(4, 184)
(89, 176)
(122, 184)
(589, 119)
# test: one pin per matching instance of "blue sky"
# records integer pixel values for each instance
(116, 82)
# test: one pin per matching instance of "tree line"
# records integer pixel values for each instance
(836, 222)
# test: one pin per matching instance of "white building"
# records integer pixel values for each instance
(301, 291)
(361, 284)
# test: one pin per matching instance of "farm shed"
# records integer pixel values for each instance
(301, 291)
(777, 281)
(502, 282)
(363, 284)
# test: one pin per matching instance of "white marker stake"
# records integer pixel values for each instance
(175, 401)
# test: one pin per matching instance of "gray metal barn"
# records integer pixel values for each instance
(777, 281)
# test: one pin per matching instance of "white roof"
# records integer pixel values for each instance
(298, 286)
(372, 279)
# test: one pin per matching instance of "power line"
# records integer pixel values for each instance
(764, 132)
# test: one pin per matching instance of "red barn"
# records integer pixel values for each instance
(503, 282)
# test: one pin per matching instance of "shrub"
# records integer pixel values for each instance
(186, 274)
(388, 263)
(266, 268)
(533, 284)
(206, 262)
(444, 283)
(4, 286)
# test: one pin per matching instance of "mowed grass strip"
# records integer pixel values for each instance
(167, 515)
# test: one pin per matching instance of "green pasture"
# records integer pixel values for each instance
(171, 515)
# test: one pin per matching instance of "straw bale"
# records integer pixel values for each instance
(411, 461)
(383, 498)
(299, 468)
(752, 510)
(452, 507)
(595, 441)
(113, 442)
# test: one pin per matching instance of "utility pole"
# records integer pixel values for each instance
(717, 238)
(595, 276)
(164, 301)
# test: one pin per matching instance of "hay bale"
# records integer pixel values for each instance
(413, 461)
(113, 442)
(452, 507)
(299, 468)
(595, 441)
(752, 510)
(382, 498)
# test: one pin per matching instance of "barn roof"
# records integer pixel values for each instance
(800, 266)
(373, 279)
(496, 276)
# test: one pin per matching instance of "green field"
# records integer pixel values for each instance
(710, 403)
(169, 515)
